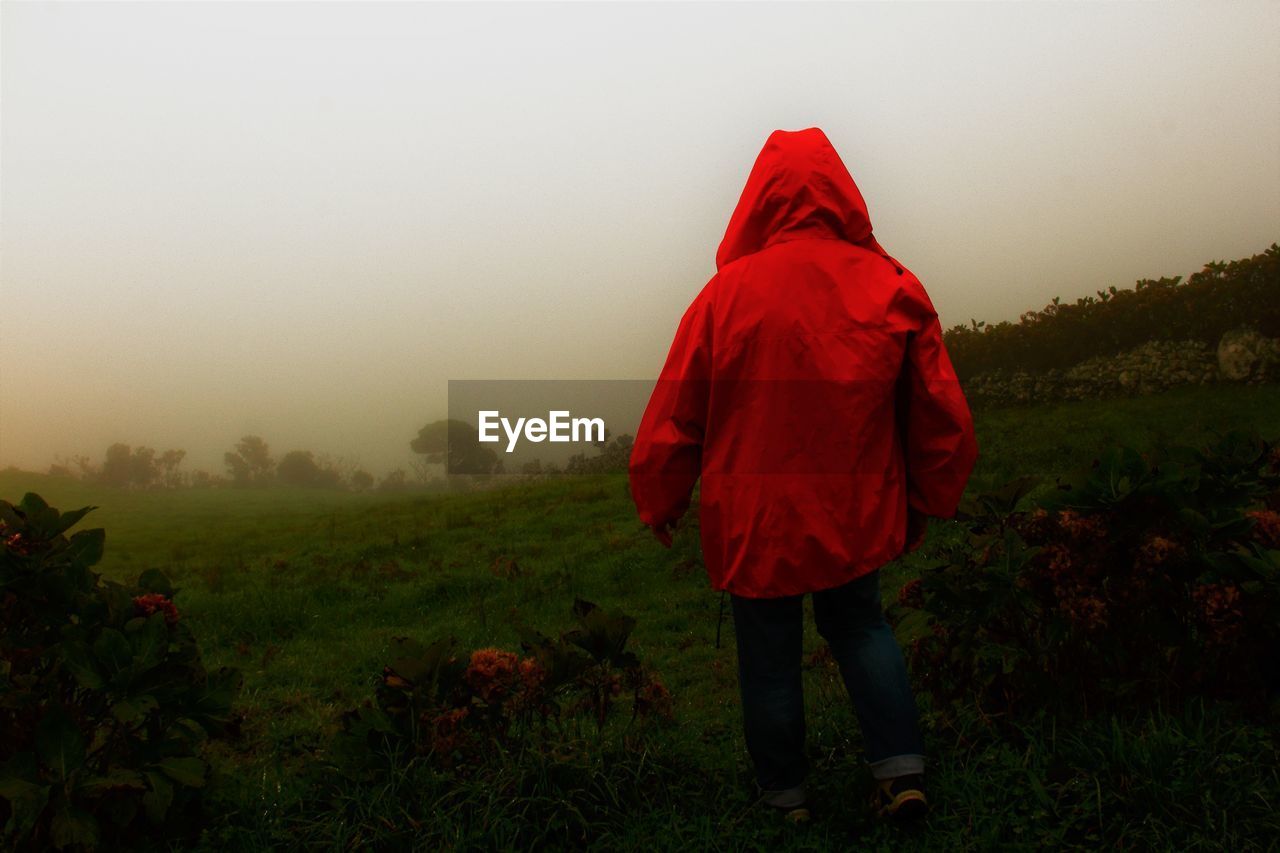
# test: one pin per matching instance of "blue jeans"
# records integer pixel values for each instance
(850, 619)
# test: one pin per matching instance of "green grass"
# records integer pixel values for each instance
(304, 590)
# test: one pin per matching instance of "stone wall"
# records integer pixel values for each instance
(1242, 356)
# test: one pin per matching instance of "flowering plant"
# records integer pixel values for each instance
(104, 698)
(1140, 578)
(458, 710)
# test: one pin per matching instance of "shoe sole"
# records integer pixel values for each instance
(910, 806)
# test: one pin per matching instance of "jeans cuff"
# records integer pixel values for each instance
(897, 765)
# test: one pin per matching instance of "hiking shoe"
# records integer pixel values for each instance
(794, 814)
(792, 804)
(901, 799)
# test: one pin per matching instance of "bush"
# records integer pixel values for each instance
(103, 695)
(1142, 579)
(1150, 368)
(1220, 297)
(459, 711)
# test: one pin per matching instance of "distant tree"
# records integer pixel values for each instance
(142, 467)
(75, 468)
(333, 470)
(361, 480)
(614, 456)
(298, 468)
(250, 463)
(1221, 297)
(423, 471)
(202, 479)
(88, 471)
(170, 476)
(303, 468)
(117, 468)
(130, 466)
(456, 444)
(393, 482)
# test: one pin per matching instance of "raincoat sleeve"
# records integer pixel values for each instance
(666, 458)
(939, 444)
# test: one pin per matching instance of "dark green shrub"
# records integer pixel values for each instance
(1220, 297)
(1141, 579)
(458, 711)
(103, 695)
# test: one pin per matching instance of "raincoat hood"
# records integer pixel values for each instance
(798, 188)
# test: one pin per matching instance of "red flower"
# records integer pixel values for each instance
(1157, 551)
(145, 605)
(1058, 563)
(529, 694)
(912, 594)
(1266, 527)
(1219, 609)
(447, 733)
(531, 672)
(16, 542)
(654, 698)
(1080, 527)
(491, 673)
(1085, 612)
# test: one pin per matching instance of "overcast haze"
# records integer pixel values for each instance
(300, 220)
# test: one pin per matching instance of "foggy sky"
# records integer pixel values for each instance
(300, 220)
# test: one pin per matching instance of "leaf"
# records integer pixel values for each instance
(913, 623)
(11, 517)
(112, 651)
(418, 663)
(1194, 521)
(76, 658)
(73, 826)
(158, 799)
(59, 742)
(189, 771)
(116, 777)
(86, 546)
(149, 642)
(26, 799)
(1012, 492)
(32, 503)
(562, 662)
(133, 710)
(582, 607)
(69, 519)
(154, 580)
(603, 635)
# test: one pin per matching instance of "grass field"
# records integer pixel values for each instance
(304, 590)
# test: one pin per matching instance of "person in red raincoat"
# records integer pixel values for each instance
(809, 388)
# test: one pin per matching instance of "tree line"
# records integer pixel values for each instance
(1222, 296)
(440, 447)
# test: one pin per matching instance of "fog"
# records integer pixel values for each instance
(301, 220)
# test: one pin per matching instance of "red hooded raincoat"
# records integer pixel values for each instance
(808, 387)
